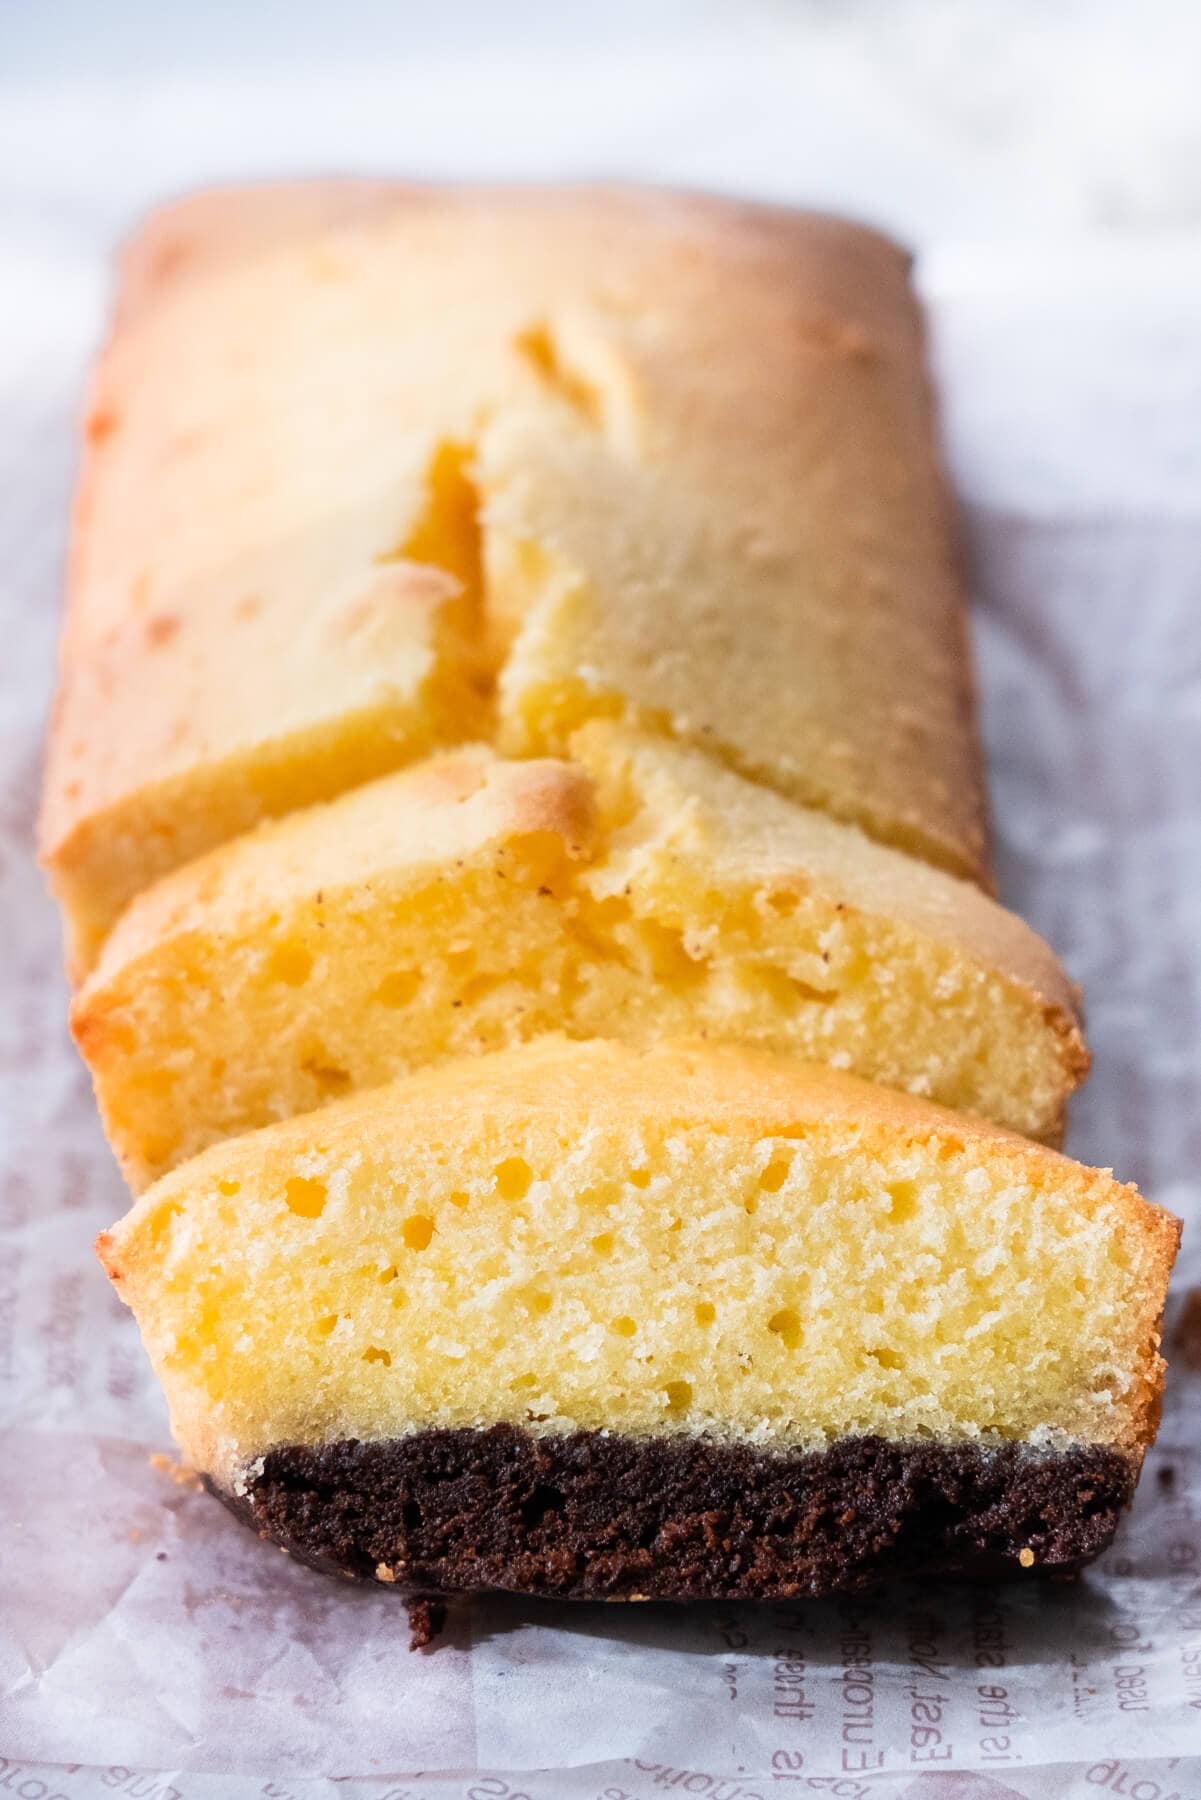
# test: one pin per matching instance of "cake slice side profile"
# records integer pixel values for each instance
(584, 1321)
(638, 891)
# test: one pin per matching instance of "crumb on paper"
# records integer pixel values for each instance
(426, 1619)
(177, 1472)
(1186, 1339)
(383, 1572)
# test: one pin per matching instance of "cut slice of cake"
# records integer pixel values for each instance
(583, 1321)
(472, 903)
(283, 575)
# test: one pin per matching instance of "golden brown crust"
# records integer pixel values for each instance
(429, 816)
(229, 651)
(789, 527)
(725, 1088)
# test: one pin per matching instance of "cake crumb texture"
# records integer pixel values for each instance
(640, 890)
(687, 1241)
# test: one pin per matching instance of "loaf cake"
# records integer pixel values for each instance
(696, 1321)
(516, 809)
(640, 890)
(373, 468)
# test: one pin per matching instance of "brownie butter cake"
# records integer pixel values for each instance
(696, 1321)
(516, 808)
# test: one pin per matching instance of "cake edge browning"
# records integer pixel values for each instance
(858, 288)
(591, 1515)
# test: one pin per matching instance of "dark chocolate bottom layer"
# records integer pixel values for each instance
(589, 1516)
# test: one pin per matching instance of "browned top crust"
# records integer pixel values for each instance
(700, 435)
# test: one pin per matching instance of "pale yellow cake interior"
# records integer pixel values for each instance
(692, 1240)
(471, 903)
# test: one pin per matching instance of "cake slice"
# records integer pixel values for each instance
(345, 434)
(642, 890)
(583, 1321)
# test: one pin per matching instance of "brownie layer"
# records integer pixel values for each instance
(591, 1516)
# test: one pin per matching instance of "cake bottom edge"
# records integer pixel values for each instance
(589, 1515)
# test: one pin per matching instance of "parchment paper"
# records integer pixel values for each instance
(151, 1646)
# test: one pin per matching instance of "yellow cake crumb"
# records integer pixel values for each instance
(638, 891)
(1012, 1295)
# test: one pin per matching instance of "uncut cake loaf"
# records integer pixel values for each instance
(691, 1322)
(372, 468)
(516, 809)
